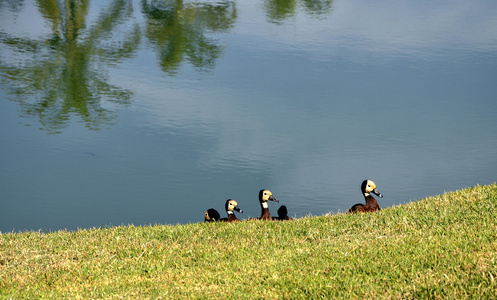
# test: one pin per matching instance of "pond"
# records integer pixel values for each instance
(151, 112)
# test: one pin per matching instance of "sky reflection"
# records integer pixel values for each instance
(303, 103)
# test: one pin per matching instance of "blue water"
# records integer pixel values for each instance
(306, 101)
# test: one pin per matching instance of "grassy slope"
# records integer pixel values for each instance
(442, 246)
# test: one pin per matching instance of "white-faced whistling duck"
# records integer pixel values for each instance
(232, 206)
(282, 214)
(211, 215)
(264, 197)
(367, 187)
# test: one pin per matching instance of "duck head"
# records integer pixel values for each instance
(368, 187)
(211, 215)
(232, 206)
(265, 196)
(282, 212)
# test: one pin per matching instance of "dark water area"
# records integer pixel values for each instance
(151, 112)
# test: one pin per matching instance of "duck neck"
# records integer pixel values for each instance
(371, 204)
(369, 198)
(265, 215)
(232, 217)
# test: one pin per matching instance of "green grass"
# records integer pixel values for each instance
(439, 247)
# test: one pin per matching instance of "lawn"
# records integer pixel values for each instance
(439, 247)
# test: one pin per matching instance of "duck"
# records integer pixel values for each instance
(264, 197)
(282, 214)
(231, 206)
(367, 187)
(211, 215)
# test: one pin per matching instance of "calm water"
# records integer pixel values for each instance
(151, 112)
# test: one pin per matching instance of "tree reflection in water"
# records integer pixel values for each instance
(63, 71)
(278, 11)
(61, 75)
(178, 30)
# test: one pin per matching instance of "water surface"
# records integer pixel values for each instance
(151, 112)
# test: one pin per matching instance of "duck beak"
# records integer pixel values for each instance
(273, 199)
(375, 191)
(238, 209)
